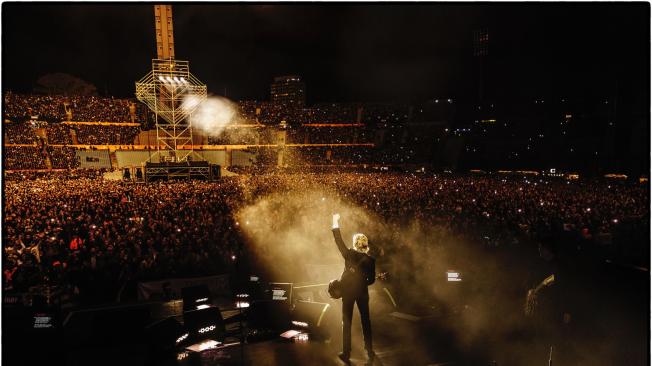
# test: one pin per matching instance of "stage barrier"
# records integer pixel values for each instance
(171, 288)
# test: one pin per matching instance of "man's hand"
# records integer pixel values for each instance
(336, 221)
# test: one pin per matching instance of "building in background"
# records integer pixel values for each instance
(288, 90)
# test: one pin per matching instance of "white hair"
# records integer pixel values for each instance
(360, 243)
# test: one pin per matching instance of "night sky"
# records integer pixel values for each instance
(345, 52)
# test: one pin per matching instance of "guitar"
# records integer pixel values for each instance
(383, 276)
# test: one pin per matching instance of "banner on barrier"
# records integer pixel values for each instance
(169, 289)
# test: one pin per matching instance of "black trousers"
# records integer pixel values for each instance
(347, 316)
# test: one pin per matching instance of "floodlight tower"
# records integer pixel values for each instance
(171, 92)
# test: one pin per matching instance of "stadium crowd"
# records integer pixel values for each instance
(53, 108)
(24, 157)
(94, 109)
(58, 134)
(21, 107)
(19, 133)
(102, 135)
(63, 157)
(94, 236)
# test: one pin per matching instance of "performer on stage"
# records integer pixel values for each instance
(359, 272)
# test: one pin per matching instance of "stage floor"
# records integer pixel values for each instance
(396, 341)
(456, 336)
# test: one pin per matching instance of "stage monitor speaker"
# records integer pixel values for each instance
(316, 317)
(31, 337)
(269, 314)
(167, 334)
(280, 291)
(114, 325)
(195, 296)
(205, 323)
(312, 293)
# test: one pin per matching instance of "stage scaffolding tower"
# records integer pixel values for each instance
(172, 93)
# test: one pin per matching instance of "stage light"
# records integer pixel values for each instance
(202, 299)
(300, 324)
(203, 306)
(183, 80)
(290, 334)
(452, 276)
(209, 344)
(160, 77)
(210, 328)
(301, 338)
(176, 79)
(180, 339)
(167, 334)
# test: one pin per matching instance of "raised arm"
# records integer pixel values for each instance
(338, 236)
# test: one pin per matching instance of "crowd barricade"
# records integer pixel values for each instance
(169, 289)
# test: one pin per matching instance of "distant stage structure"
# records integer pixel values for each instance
(172, 93)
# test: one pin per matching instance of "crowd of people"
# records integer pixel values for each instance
(106, 135)
(24, 157)
(57, 108)
(329, 113)
(93, 236)
(98, 109)
(19, 133)
(63, 157)
(58, 134)
(21, 107)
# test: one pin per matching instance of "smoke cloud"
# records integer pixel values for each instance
(212, 115)
(290, 232)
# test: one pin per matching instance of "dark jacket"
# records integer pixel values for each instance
(359, 269)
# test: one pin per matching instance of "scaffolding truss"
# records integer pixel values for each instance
(173, 94)
(177, 171)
